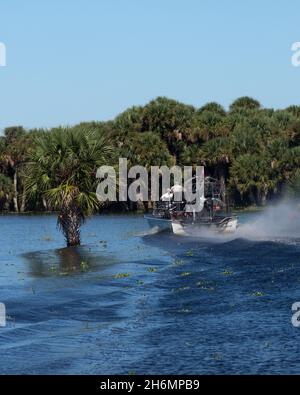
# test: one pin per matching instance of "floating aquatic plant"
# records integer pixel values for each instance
(131, 373)
(217, 356)
(122, 275)
(257, 293)
(227, 272)
(152, 269)
(185, 311)
(84, 266)
(47, 238)
(184, 274)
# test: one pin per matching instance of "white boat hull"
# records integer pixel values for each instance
(161, 224)
(182, 229)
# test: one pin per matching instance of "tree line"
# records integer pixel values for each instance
(254, 150)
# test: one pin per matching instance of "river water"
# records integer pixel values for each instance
(131, 302)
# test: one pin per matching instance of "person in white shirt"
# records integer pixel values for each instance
(176, 188)
(177, 191)
(167, 197)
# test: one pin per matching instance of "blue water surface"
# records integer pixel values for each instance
(128, 301)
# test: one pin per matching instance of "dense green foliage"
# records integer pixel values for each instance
(255, 150)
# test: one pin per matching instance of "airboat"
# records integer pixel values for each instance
(213, 215)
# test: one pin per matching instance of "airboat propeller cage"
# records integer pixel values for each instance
(208, 188)
(205, 210)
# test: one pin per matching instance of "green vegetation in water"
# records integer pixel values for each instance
(47, 238)
(185, 311)
(227, 272)
(151, 269)
(84, 266)
(178, 262)
(217, 356)
(185, 274)
(122, 275)
(189, 253)
(140, 282)
(257, 294)
(205, 285)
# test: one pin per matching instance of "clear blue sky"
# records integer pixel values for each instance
(74, 60)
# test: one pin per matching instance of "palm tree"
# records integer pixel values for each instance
(245, 103)
(62, 168)
(293, 185)
(251, 174)
(6, 191)
(217, 153)
(171, 119)
(14, 148)
(213, 107)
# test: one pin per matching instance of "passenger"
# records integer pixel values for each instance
(177, 191)
(177, 188)
(167, 197)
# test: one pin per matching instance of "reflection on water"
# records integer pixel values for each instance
(64, 261)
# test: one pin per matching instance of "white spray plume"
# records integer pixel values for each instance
(281, 221)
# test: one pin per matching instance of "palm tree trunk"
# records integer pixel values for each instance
(222, 173)
(253, 196)
(23, 202)
(15, 198)
(45, 205)
(73, 232)
(70, 223)
(263, 197)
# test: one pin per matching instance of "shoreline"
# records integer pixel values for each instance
(238, 210)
